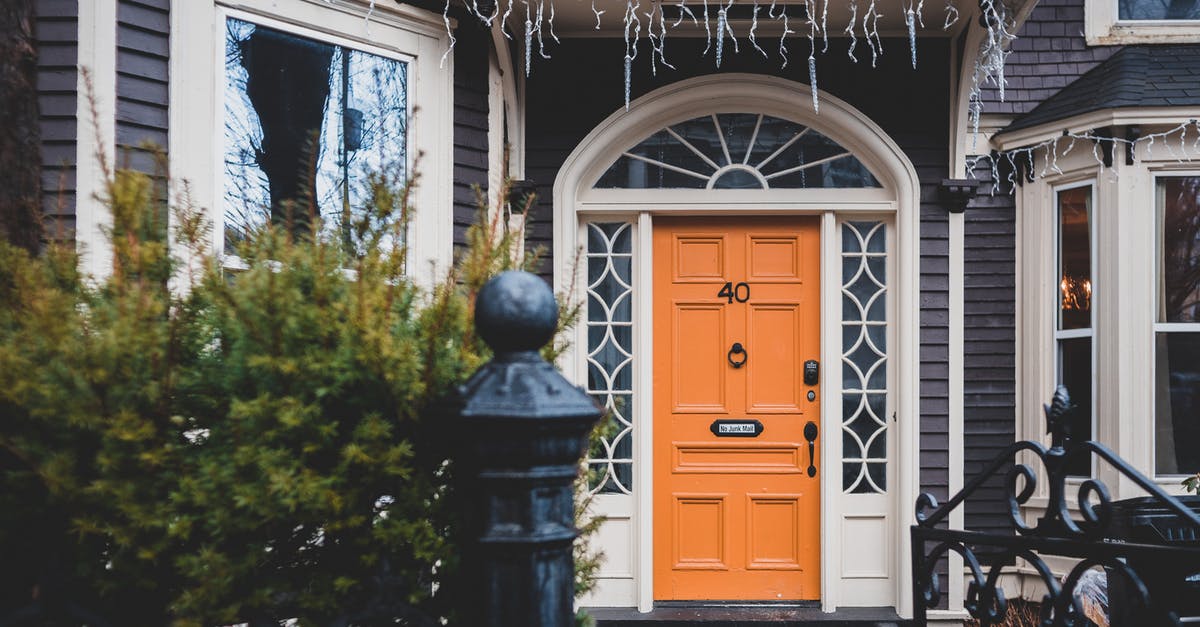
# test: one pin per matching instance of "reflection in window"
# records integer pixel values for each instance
(737, 151)
(1159, 9)
(305, 122)
(1073, 331)
(1177, 342)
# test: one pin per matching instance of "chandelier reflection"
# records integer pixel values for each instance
(1076, 293)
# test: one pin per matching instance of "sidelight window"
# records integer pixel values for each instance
(610, 352)
(864, 357)
(1177, 328)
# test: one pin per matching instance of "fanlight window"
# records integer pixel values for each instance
(737, 151)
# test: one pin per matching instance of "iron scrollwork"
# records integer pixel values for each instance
(1093, 540)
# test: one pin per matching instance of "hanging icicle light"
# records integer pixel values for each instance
(863, 23)
(1177, 143)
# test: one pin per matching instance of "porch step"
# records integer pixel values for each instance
(746, 616)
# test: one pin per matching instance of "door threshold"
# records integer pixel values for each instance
(741, 613)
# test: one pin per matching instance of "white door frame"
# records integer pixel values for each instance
(899, 198)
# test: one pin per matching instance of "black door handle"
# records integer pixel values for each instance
(734, 351)
(810, 434)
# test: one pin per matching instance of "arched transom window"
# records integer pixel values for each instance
(737, 151)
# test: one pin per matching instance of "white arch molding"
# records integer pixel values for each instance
(898, 201)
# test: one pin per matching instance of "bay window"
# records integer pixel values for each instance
(1177, 326)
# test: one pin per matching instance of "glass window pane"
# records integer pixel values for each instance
(864, 362)
(1074, 258)
(610, 354)
(305, 123)
(737, 179)
(1177, 404)
(1178, 201)
(1159, 9)
(1075, 372)
(688, 155)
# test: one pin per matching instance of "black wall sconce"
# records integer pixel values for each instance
(955, 194)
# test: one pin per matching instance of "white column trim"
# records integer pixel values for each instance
(644, 442)
(831, 420)
(95, 153)
(955, 428)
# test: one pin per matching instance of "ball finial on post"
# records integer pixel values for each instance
(516, 312)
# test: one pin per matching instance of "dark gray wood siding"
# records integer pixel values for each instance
(1050, 51)
(989, 346)
(470, 126)
(57, 35)
(143, 46)
(569, 95)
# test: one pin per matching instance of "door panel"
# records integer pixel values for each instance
(699, 351)
(735, 518)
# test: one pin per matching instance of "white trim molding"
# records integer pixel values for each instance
(415, 36)
(94, 140)
(896, 204)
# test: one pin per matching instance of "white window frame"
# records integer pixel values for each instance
(1103, 27)
(1162, 327)
(1056, 333)
(400, 32)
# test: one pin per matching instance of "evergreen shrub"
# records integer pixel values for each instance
(182, 444)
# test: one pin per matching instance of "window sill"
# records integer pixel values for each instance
(1146, 32)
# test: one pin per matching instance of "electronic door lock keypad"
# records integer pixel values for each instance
(812, 372)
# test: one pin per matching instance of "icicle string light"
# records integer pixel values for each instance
(812, 53)
(1051, 150)
(754, 27)
(528, 38)
(863, 24)
(850, 30)
(824, 27)
(910, 22)
(951, 15)
(449, 33)
(707, 30)
(722, 23)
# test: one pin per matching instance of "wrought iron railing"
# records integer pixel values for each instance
(1147, 584)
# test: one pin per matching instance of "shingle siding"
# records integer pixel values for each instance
(56, 31)
(989, 347)
(143, 49)
(1050, 51)
(471, 104)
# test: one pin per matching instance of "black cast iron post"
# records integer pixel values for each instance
(523, 429)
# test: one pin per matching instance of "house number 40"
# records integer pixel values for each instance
(731, 292)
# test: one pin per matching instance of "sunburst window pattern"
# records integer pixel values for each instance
(864, 357)
(610, 352)
(737, 151)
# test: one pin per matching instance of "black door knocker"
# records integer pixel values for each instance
(734, 351)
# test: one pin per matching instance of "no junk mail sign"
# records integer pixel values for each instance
(736, 428)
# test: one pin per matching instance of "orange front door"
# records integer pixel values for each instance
(736, 316)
